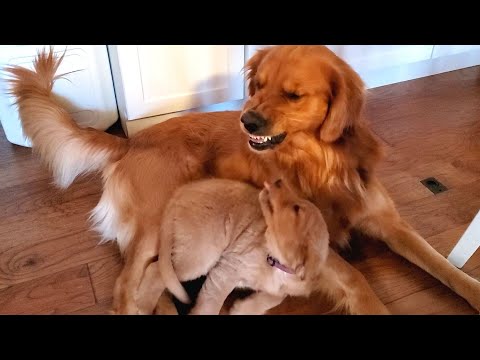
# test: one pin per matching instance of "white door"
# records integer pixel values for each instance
(159, 79)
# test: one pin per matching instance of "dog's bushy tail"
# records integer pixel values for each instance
(66, 148)
(167, 271)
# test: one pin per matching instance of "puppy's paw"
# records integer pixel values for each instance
(224, 311)
(126, 309)
(238, 309)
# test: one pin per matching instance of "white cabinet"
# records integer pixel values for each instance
(85, 91)
(153, 80)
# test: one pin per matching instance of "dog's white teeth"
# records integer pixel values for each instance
(260, 139)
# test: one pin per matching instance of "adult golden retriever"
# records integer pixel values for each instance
(302, 121)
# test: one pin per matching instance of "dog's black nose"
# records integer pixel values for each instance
(253, 121)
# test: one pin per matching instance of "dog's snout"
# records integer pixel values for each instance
(253, 121)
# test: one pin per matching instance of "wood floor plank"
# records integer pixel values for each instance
(393, 278)
(47, 222)
(100, 308)
(28, 261)
(403, 187)
(103, 273)
(445, 172)
(435, 214)
(22, 171)
(58, 293)
(34, 196)
(437, 300)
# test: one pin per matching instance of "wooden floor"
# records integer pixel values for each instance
(50, 262)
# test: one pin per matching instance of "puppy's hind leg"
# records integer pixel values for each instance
(220, 282)
(165, 305)
(140, 253)
(256, 304)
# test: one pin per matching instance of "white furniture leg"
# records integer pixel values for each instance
(467, 245)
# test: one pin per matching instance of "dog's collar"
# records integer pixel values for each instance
(275, 263)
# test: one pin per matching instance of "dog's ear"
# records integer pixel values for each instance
(251, 68)
(347, 97)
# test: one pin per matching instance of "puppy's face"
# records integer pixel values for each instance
(294, 89)
(294, 226)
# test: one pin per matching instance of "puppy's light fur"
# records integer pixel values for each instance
(217, 227)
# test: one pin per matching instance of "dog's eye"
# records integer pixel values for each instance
(296, 208)
(292, 95)
(258, 85)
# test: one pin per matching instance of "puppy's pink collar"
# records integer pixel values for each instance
(275, 263)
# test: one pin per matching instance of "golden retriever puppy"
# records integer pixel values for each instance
(271, 241)
(303, 121)
(216, 226)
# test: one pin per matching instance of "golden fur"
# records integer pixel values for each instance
(217, 226)
(329, 155)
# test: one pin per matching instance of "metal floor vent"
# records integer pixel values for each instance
(434, 185)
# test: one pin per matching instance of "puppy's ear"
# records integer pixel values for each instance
(300, 271)
(251, 68)
(317, 236)
(347, 97)
(265, 205)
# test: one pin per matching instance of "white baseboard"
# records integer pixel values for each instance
(396, 74)
(372, 78)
